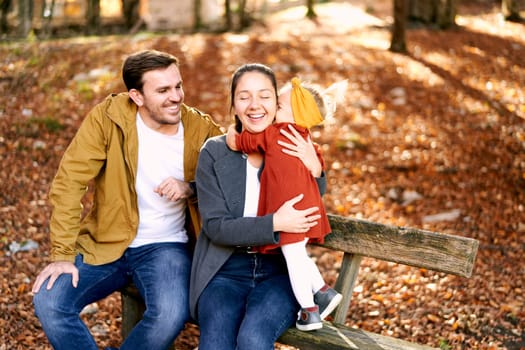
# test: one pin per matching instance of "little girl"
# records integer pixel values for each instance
(285, 177)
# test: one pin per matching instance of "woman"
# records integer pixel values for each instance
(240, 298)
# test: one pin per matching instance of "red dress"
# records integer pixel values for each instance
(283, 178)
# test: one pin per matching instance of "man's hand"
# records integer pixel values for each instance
(173, 189)
(52, 271)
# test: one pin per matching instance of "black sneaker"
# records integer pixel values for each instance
(309, 319)
(327, 299)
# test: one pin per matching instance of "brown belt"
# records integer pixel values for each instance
(245, 250)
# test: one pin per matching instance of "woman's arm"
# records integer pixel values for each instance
(221, 182)
(289, 219)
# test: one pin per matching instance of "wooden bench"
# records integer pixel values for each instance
(357, 239)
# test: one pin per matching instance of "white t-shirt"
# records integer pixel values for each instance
(160, 156)
(252, 191)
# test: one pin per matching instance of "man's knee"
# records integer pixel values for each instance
(47, 309)
(169, 317)
(51, 304)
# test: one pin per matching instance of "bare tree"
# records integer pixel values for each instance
(398, 41)
(446, 14)
(243, 19)
(310, 12)
(47, 16)
(93, 17)
(25, 17)
(228, 14)
(5, 6)
(440, 13)
(130, 11)
(510, 10)
(197, 20)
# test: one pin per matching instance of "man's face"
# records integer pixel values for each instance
(161, 98)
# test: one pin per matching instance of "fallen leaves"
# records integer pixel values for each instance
(434, 139)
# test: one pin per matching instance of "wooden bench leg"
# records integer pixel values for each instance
(345, 284)
(132, 311)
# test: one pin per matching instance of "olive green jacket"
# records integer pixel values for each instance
(103, 155)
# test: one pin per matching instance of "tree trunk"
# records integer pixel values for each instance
(244, 20)
(439, 13)
(47, 16)
(398, 42)
(240, 18)
(197, 20)
(228, 15)
(510, 10)
(25, 17)
(130, 11)
(5, 6)
(446, 14)
(310, 12)
(93, 17)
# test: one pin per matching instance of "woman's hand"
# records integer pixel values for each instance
(289, 219)
(304, 150)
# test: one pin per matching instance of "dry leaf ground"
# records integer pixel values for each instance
(445, 122)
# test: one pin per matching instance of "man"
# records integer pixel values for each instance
(140, 150)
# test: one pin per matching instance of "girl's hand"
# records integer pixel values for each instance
(304, 150)
(230, 138)
(289, 219)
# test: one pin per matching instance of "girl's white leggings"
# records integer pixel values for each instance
(304, 274)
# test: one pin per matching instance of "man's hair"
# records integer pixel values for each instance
(141, 62)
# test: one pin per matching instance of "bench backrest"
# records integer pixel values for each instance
(409, 246)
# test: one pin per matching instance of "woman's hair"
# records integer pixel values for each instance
(141, 62)
(239, 72)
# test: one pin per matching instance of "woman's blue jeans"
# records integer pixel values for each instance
(247, 305)
(160, 272)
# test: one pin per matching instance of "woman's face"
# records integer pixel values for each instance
(255, 101)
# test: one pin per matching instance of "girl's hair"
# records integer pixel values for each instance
(239, 72)
(326, 99)
(317, 93)
(141, 62)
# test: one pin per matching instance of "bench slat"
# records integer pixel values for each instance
(334, 337)
(415, 247)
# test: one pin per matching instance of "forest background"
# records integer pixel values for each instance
(434, 139)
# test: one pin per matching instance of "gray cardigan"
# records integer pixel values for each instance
(221, 183)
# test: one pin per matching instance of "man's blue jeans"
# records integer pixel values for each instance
(247, 305)
(160, 272)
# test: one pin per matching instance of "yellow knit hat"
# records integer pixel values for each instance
(304, 108)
